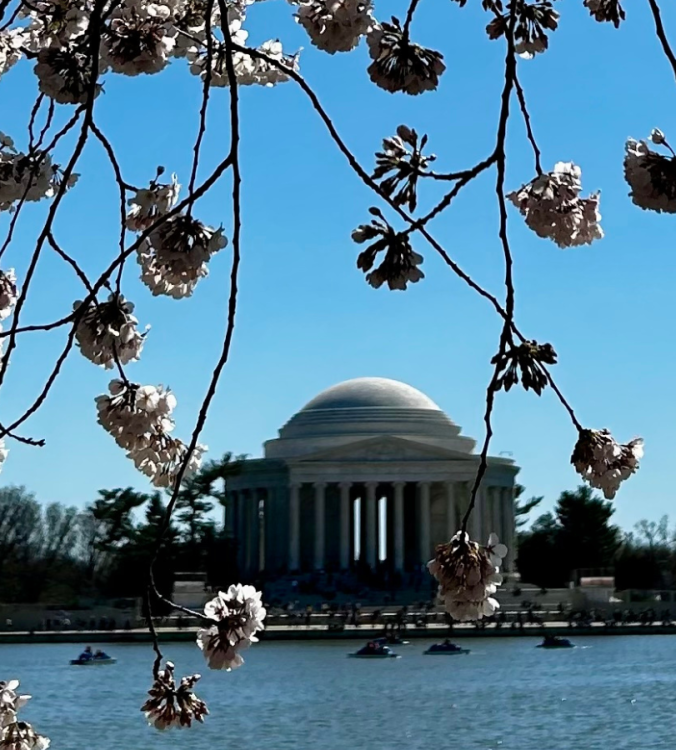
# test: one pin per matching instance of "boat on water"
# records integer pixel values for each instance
(374, 650)
(445, 649)
(92, 662)
(553, 641)
(89, 659)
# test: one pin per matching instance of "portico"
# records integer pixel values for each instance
(370, 473)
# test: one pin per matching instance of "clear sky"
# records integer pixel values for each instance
(307, 319)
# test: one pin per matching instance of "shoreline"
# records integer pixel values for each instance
(321, 633)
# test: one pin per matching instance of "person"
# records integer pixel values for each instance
(101, 655)
(86, 655)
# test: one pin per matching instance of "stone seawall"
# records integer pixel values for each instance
(317, 632)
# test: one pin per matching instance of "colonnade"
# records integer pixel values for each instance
(323, 524)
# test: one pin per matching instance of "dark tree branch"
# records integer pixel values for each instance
(661, 34)
(526, 119)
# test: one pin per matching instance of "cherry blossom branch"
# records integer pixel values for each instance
(232, 308)
(661, 34)
(409, 19)
(41, 157)
(527, 122)
(506, 334)
(205, 104)
(95, 43)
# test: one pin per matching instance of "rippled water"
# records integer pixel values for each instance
(613, 692)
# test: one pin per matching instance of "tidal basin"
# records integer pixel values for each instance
(607, 693)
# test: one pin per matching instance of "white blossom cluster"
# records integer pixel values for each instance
(137, 37)
(651, 176)
(107, 331)
(149, 204)
(238, 615)
(170, 706)
(400, 65)
(139, 419)
(65, 75)
(140, 36)
(553, 209)
(468, 575)
(248, 70)
(8, 292)
(11, 41)
(603, 462)
(14, 733)
(28, 177)
(335, 25)
(174, 257)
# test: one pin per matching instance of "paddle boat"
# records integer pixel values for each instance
(374, 650)
(88, 659)
(446, 649)
(553, 641)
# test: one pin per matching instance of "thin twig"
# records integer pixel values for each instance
(95, 42)
(526, 119)
(661, 34)
(409, 19)
(205, 104)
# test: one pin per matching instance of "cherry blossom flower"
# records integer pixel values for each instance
(8, 292)
(530, 32)
(107, 330)
(525, 363)
(161, 457)
(170, 706)
(335, 25)
(468, 575)
(55, 23)
(238, 615)
(553, 209)
(398, 64)
(11, 41)
(402, 155)
(651, 176)
(150, 203)
(27, 177)
(139, 38)
(132, 413)
(14, 733)
(603, 462)
(606, 10)
(174, 257)
(400, 263)
(64, 75)
(496, 550)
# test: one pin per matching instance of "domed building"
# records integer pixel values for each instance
(369, 472)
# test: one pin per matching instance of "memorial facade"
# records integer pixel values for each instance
(370, 472)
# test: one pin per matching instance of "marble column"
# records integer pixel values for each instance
(250, 529)
(398, 527)
(294, 527)
(497, 511)
(345, 520)
(320, 525)
(371, 525)
(425, 543)
(508, 527)
(452, 523)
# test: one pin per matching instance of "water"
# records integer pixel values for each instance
(613, 692)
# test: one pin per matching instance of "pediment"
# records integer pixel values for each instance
(385, 449)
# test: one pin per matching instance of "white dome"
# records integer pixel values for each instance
(363, 408)
(363, 393)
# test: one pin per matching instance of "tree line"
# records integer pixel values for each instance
(59, 554)
(578, 537)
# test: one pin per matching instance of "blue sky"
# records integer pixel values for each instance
(306, 317)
